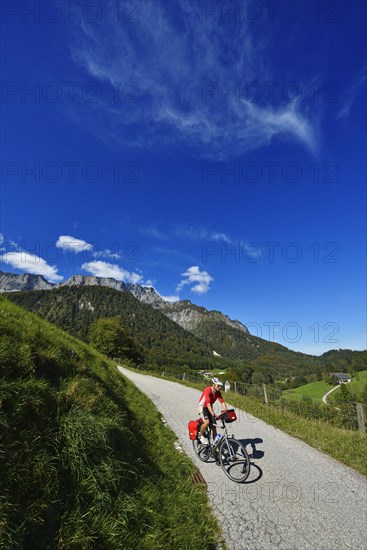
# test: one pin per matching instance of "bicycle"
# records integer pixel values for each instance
(229, 453)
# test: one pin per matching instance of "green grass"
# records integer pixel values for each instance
(315, 390)
(347, 446)
(85, 460)
(357, 386)
(358, 383)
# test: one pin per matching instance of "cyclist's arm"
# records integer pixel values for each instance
(206, 400)
(222, 402)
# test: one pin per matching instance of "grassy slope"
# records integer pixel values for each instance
(357, 386)
(315, 390)
(85, 461)
(360, 380)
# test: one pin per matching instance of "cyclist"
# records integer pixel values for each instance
(206, 401)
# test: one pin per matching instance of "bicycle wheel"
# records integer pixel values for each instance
(234, 459)
(201, 451)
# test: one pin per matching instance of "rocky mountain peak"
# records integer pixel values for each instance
(11, 282)
(90, 280)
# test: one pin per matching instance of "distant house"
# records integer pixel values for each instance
(341, 377)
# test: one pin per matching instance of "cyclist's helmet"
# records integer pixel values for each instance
(217, 381)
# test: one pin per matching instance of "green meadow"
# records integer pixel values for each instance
(315, 390)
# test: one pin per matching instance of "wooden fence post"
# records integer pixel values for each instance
(265, 395)
(361, 418)
(184, 376)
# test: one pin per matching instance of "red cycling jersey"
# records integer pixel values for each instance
(208, 396)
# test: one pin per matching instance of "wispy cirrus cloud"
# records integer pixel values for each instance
(193, 232)
(358, 84)
(176, 64)
(183, 231)
(31, 263)
(107, 253)
(6, 244)
(221, 237)
(283, 121)
(152, 231)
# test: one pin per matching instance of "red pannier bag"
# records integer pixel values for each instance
(230, 416)
(193, 426)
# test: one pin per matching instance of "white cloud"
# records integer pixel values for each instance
(221, 237)
(30, 263)
(107, 253)
(271, 122)
(104, 269)
(184, 231)
(358, 84)
(191, 232)
(199, 233)
(184, 93)
(151, 283)
(1, 239)
(170, 299)
(153, 232)
(193, 276)
(65, 242)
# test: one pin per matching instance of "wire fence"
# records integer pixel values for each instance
(348, 415)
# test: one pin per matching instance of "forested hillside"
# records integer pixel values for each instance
(75, 308)
(167, 345)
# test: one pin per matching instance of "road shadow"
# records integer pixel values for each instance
(254, 453)
(255, 475)
(256, 472)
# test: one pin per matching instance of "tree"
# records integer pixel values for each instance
(261, 377)
(232, 375)
(109, 337)
(345, 395)
(332, 380)
(352, 373)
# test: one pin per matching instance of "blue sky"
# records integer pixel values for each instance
(214, 150)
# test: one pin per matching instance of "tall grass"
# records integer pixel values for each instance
(85, 461)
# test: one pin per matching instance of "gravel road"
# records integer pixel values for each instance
(295, 498)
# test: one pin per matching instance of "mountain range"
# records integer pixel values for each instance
(184, 313)
(171, 333)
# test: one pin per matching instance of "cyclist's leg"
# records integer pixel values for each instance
(213, 427)
(203, 412)
(212, 422)
(209, 421)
